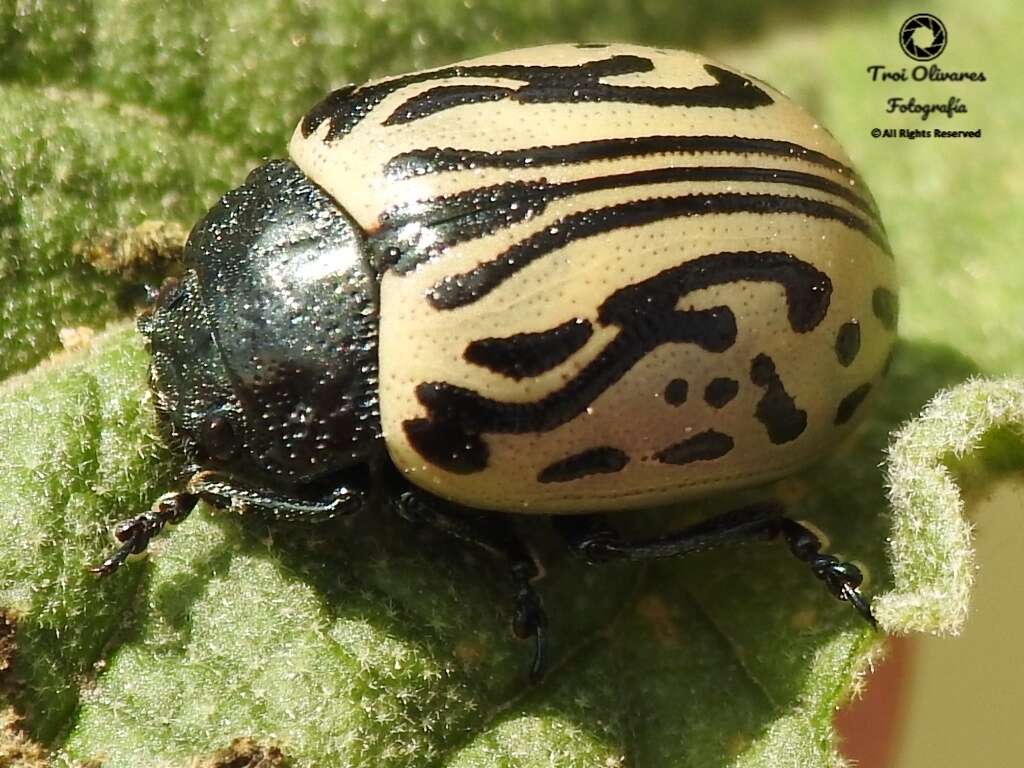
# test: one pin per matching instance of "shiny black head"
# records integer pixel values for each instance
(264, 355)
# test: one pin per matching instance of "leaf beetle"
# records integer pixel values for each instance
(563, 280)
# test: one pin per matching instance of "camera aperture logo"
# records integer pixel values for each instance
(923, 37)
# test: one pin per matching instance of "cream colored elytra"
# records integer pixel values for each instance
(486, 106)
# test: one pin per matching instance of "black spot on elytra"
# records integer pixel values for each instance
(850, 403)
(886, 306)
(848, 343)
(647, 315)
(703, 447)
(593, 461)
(776, 409)
(676, 392)
(720, 392)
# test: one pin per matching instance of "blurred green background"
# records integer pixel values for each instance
(112, 113)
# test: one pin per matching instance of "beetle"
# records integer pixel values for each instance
(565, 280)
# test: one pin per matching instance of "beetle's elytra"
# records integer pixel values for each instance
(566, 279)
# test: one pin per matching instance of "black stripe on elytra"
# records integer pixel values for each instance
(445, 97)
(776, 409)
(581, 83)
(571, 84)
(419, 162)
(593, 461)
(701, 447)
(474, 213)
(647, 316)
(459, 290)
(530, 354)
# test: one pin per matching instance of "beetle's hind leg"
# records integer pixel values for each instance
(590, 537)
(494, 533)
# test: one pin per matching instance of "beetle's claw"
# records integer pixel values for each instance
(539, 656)
(536, 630)
(843, 580)
(135, 533)
(112, 563)
(529, 620)
(133, 546)
(856, 599)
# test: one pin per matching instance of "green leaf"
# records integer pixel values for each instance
(933, 565)
(367, 642)
(74, 165)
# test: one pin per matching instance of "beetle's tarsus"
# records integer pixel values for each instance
(857, 601)
(528, 617)
(496, 535)
(539, 656)
(842, 578)
(136, 532)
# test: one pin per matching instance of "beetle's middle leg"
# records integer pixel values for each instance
(494, 533)
(591, 538)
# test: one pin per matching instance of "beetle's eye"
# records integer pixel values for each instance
(218, 437)
(170, 293)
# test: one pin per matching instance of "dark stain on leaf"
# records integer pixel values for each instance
(245, 752)
(16, 748)
(8, 624)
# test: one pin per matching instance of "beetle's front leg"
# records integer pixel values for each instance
(134, 534)
(223, 491)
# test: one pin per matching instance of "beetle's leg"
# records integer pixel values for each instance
(135, 533)
(222, 491)
(495, 534)
(593, 540)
